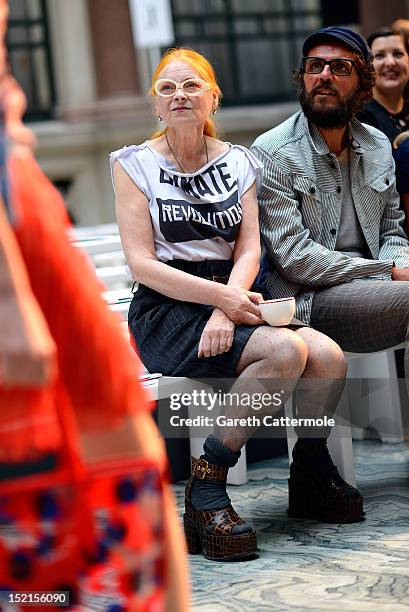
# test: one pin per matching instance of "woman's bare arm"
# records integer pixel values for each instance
(135, 227)
(247, 249)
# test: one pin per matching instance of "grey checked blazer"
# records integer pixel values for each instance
(300, 208)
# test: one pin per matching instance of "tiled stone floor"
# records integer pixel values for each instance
(303, 565)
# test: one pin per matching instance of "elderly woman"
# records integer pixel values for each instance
(389, 109)
(187, 213)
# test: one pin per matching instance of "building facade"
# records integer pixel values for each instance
(86, 81)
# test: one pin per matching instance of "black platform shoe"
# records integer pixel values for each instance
(317, 491)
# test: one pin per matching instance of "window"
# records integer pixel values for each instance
(29, 55)
(253, 45)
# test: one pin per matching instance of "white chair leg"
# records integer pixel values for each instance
(238, 474)
(339, 443)
(375, 402)
(291, 437)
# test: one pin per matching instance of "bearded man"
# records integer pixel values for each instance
(331, 226)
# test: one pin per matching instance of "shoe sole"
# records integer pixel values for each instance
(216, 547)
(301, 505)
(323, 518)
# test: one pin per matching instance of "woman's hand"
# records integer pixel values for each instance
(240, 305)
(400, 274)
(28, 356)
(217, 336)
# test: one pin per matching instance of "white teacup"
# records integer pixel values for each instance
(278, 312)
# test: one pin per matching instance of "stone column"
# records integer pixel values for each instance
(72, 56)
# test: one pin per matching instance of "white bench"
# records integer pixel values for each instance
(114, 277)
(78, 232)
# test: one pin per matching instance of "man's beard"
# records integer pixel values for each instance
(330, 117)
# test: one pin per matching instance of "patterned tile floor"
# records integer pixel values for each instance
(304, 565)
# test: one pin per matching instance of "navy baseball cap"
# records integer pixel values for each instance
(347, 37)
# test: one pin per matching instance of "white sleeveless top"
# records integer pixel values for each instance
(194, 216)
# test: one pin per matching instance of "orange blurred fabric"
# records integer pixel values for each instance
(94, 416)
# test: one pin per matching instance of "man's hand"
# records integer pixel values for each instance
(400, 274)
(217, 336)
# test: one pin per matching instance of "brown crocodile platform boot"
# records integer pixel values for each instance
(210, 531)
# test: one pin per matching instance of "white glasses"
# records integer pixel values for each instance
(190, 87)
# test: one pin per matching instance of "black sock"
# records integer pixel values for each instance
(217, 453)
(211, 494)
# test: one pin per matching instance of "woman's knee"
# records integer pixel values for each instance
(274, 352)
(326, 358)
(287, 353)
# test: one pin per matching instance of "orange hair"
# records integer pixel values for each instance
(205, 70)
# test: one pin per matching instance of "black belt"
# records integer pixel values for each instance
(217, 279)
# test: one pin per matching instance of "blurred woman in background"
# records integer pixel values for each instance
(389, 109)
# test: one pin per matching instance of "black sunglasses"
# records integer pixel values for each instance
(338, 66)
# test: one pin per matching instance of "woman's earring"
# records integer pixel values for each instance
(214, 110)
(159, 118)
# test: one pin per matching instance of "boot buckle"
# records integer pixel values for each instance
(201, 470)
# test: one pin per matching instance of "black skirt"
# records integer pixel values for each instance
(167, 331)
